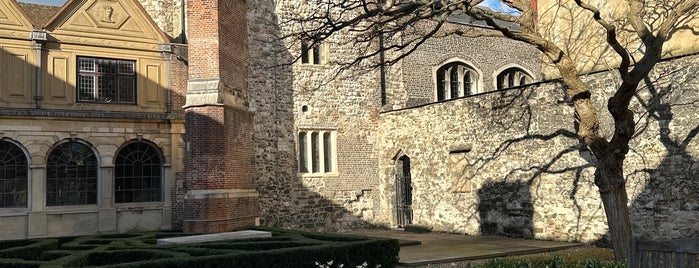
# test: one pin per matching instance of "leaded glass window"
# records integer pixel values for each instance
(13, 176)
(513, 77)
(454, 80)
(138, 173)
(71, 175)
(106, 81)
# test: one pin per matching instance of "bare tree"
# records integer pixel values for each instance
(403, 25)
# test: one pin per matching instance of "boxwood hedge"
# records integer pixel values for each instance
(286, 248)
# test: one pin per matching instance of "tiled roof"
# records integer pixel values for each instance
(39, 15)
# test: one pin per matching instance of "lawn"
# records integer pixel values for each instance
(285, 248)
(587, 256)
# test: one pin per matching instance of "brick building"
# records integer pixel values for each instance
(448, 138)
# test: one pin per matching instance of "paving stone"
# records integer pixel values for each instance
(214, 237)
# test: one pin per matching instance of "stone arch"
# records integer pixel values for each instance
(14, 164)
(476, 78)
(139, 172)
(509, 66)
(72, 174)
(403, 189)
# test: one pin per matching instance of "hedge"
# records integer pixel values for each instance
(284, 249)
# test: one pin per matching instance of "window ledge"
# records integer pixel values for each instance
(157, 205)
(71, 209)
(317, 175)
(9, 212)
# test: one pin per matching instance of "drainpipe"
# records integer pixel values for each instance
(166, 50)
(38, 38)
(382, 58)
(183, 21)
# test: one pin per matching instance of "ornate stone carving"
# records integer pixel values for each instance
(108, 14)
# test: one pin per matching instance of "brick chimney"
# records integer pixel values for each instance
(218, 124)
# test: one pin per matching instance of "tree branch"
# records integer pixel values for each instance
(611, 38)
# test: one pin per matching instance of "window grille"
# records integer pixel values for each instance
(138, 174)
(513, 77)
(106, 81)
(454, 80)
(71, 175)
(13, 176)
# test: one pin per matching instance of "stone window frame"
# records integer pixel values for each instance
(19, 149)
(307, 147)
(126, 153)
(512, 70)
(88, 85)
(97, 180)
(475, 75)
(313, 53)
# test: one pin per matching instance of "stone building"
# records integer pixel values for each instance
(91, 120)
(462, 135)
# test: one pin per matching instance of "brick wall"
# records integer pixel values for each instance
(205, 151)
(203, 37)
(218, 162)
(483, 49)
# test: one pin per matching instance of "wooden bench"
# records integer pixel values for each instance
(671, 254)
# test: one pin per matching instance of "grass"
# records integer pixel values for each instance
(586, 256)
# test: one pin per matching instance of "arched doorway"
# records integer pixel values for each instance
(404, 192)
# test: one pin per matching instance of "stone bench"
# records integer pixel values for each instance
(672, 253)
(214, 237)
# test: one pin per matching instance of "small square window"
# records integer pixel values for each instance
(317, 151)
(314, 54)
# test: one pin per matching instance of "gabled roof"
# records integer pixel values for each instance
(122, 23)
(13, 22)
(38, 15)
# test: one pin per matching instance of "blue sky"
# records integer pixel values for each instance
(498, 6)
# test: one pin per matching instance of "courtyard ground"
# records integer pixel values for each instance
(452, 250)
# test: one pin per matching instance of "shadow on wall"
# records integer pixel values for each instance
(661, 166)
(59, 101)
(668, 205)
(288, 198)
(505, 208)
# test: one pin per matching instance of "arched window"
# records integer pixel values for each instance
(512, 77)
(71, 175)
(138, 174)
(454, 80)
(13, 176)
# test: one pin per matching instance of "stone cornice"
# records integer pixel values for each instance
(90, 114)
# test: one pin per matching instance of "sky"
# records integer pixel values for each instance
(497, 5)
(494, 4)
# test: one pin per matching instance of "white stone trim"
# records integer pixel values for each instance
(494, 75)
(221, 193)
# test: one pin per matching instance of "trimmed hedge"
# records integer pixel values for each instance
(284, 249)
(31, 251)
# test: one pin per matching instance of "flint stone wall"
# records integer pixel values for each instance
(524, 161)
(348, 105)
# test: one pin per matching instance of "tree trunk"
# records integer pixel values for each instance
(612, 186)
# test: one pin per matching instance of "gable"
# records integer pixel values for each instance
(13, 23)
(119, 23)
